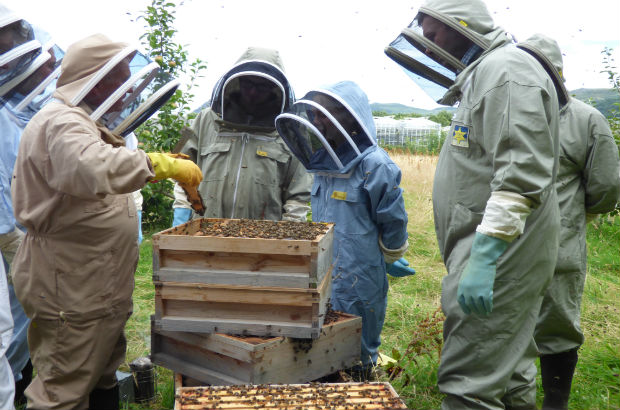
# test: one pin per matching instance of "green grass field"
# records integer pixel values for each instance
(413, 323)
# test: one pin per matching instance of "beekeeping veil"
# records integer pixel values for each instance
(122, 86)
(34, 86)
(432, 67)
(329, 128)
(18, 46)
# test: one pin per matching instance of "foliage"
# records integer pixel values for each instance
(426, 340)
(443, 117)
(380, 114)
(162, 131)
(614, 117)
(402, 116)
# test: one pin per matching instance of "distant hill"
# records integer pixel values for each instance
(394, 108)
(601, 98)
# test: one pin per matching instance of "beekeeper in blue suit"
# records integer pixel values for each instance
(356, 186)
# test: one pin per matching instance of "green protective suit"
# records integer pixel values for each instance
(249, 172)
(501, 153)
(588, 183)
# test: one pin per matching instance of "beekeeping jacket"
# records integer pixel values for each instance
(249, 172)
(588, 182)
(495, 175)
(71, 190)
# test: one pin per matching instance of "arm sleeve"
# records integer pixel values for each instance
(180, 199)
(82, 165)
(382, 183)
(505, 215)
(296, 193)
(602, 170)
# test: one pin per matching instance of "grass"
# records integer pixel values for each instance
(412, 318)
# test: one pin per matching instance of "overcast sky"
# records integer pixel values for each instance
(324, 41)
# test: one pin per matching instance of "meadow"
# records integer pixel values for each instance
(412, 331)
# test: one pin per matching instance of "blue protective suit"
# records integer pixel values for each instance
(365, 202)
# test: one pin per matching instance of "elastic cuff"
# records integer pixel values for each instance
(392, 255)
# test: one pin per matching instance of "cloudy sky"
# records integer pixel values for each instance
(324, 41)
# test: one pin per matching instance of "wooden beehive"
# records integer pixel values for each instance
(220, 359)
(241, 285)
(340, 396)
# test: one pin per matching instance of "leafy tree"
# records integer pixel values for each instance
(162, 131)
(614, 118)
(443, 117)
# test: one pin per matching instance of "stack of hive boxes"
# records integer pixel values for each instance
(246, 302)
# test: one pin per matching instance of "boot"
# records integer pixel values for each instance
(104, 399)
(20, 386)
(557, 376)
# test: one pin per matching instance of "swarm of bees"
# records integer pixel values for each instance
(313, 396)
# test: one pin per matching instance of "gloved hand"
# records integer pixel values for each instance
(475, 291)
(176, 167)
(181, 215)
(139, 227)
(399, 268)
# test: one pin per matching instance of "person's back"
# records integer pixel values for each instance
(249, 171)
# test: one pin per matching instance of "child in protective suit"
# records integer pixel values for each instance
(356, 186)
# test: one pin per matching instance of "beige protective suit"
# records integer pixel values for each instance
(73, 274)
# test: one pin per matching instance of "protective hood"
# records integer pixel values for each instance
(434, 68)
(123, 85)
(35, 85)
(547, 51)
(18, 46)
(254, 91)
(330, 129)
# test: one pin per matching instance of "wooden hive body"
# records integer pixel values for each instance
(238, 285)
(220, 359)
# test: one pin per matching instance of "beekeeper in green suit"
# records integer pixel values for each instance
(252, 172)
(588, 184)
(495, 205)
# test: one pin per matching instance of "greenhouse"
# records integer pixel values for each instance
(411, 132)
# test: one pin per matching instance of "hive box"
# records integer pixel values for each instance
(235, 285)
(220, 359)
(340, 396)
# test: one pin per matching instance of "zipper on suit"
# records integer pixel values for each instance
(245, 138)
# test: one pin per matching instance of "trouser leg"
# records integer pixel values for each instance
(481, 354)
(373, 317)
(557, 376)
(521, 389)
(72, 359)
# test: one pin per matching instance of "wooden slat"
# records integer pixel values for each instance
(235, 278)
(236, 294)
(240, 245)
(257, 328)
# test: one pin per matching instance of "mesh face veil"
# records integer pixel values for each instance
(18, 46)
(134, 89)
(37, 82)
(323, 132)
(432, 51)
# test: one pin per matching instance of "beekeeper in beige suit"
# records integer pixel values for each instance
(71, 189)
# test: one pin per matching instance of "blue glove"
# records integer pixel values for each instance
(475, 291)
(139, 227)
(181, 215)
(399, 268)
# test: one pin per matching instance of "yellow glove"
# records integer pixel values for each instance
(176, 167)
